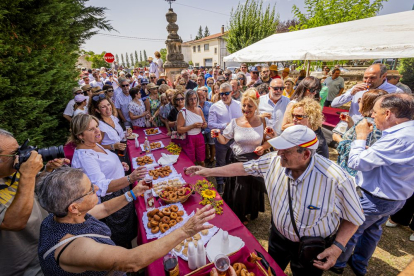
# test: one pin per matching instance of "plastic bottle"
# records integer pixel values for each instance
(192, 256)
(225, 242)
(147, 146)
(201, 255)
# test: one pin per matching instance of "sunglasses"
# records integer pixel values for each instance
(153, 77)
(278, 88)
(256, 73)
(109, 91)
(124, 85)
(227, 74)
(224, 93)
(210, 83)
(79, 93)
(179, 99)
(299, 117)
(98, 97)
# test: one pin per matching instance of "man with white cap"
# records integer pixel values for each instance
(325, 204)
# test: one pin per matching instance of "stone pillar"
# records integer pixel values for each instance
(175, 59)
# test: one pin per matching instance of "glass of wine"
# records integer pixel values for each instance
(170, 262)
(222, 264)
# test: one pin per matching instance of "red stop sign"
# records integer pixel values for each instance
(109, 57)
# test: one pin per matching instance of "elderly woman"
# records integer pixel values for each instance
(111, 131)
(289, 84)
(366, 103)
(178, 104)
(190, 121)
(73, 240)
(136, 109)
(308, 88)
(106, 171)
(154, 101)
(247, 132)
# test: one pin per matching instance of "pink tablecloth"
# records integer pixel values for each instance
(227, 221)
(331, 116)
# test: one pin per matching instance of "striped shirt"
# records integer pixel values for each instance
(322, 196)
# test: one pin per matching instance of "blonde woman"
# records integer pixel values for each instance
(247, 132)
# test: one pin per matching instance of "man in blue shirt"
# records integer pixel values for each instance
(385, 177)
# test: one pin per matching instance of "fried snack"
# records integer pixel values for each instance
(245, 272)
(174, 208)
(154, 223)
(165, 219)
(156, 217)
(151, 131)
(155, 229)
(166, 211)
(141, 161)
(173, 215)
(204, 232)
(164, 228)
(155, 145)
(185, 251)
(253, 258)
(160, 172)
(238, 268)
(178, 248)
(179, 219)
(180, 213)
(197, 237)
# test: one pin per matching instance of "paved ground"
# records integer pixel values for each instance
(393, 254)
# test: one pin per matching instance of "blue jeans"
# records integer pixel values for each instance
(222, 157)
(366, 238)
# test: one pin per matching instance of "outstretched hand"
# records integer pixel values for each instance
(196, 223)
(197, 170)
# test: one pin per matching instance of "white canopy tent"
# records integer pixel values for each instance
(387, 36)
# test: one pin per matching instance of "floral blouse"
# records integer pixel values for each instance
(137, 109)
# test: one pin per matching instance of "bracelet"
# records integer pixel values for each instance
(129, 179)
(128, 198)
(112, 147)
(135, 198)
(340, 246)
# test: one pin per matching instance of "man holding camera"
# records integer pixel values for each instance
(315, 207)
(20, 214)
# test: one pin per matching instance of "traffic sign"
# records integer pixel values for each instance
(109, 57)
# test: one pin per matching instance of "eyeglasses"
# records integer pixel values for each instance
(224, 93)
(256, 73)
(278, 88)
(210, 83)
(179, 99)
(227, 74)
(124, 85)
(98, 97)
(79, 93)
(153, 77)
(313, 90)
(110, 90)
(240, 79)
(299, 117)
(88, 193)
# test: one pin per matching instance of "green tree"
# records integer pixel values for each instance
(122, 59)
(163, 53)
(39, 49)
(249, 24)
(326, 12)
(140, 56)
(136, 58)
(117, 58)
(406, 69)
(97, 59)
(127, 60)
(206, 32)
(200, 33)
(145, 58)
(132, 59)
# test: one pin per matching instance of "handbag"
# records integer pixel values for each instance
(176, 135)
(309, 247)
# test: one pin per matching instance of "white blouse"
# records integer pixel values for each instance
(101, 168)
(246, 139)
(191, 118)
(111, 135)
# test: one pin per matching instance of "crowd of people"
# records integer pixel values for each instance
(255, 131)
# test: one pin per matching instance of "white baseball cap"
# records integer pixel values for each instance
(297, 135)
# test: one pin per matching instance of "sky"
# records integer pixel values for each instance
(146, 19)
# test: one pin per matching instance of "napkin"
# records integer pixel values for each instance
(167, 159)
(136, 142)
(214, 245)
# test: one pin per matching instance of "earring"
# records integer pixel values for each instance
(82, 141)
(79, 214)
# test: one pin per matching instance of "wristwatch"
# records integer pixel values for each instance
(340, 246)
(112, 147)
(128, 198)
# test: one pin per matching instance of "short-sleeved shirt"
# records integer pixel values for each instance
(191, 85)
(121, 102)
(206, 110)
(277, 111)
(334, 85)
(112, 135)
(172, 117)
(165, 110)
(322, 196)
(69, 108)
(246, 139)
(18, 249)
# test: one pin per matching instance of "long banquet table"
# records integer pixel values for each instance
(227, 221)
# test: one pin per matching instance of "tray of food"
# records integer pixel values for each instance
(152, 131)
(146, 160)
(162, 183)
(174, 194)
(164, 220)
(162, 172)
(154, 145)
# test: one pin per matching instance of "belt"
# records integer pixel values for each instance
(367, 192)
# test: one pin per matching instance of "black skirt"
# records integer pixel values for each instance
(245, 194)
(123, 223)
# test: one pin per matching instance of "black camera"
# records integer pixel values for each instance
(47, 154)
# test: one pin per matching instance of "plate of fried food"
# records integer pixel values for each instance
(152, 131)
(174, 194)
(162, 172)
(154, 145)
(160, 184)
(146, 160)
(159, 221)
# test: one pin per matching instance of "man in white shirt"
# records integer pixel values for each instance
(153, 67)
(122, 100)
(375, 77)
(220, 115)
(68, 113)
(273, 105)
(159, 62)
(97, 82)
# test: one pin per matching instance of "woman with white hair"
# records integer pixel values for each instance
(191, 120)
(74, 242)
(247, 132)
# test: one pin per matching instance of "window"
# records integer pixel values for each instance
(197, 64)
(215, 50)
(208, 62)
(194, 49)
(206, 47)
(199, 48)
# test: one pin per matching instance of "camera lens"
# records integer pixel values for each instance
(51, 153)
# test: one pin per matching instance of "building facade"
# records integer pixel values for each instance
(208, 51)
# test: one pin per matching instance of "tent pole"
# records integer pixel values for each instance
(307, 66)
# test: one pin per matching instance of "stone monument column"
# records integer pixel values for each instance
(175, 59)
